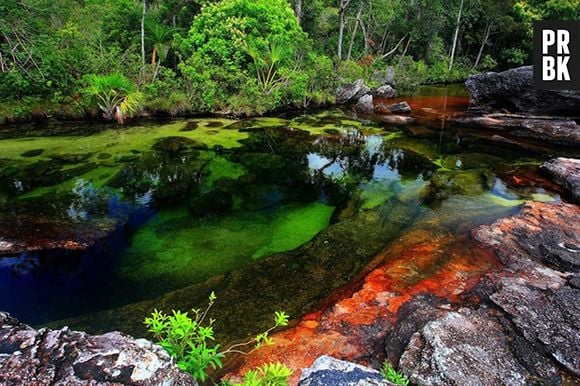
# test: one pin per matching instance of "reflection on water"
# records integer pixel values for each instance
(157, 210)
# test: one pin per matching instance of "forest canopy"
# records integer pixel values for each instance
(248, 56)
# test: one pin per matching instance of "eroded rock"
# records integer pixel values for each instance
(65, 357)
(395, 108)
(386, 92)
(565, 172)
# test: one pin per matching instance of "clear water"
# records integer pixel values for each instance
(271, 213)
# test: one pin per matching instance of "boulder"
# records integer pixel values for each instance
(365, 104)
(328, 371)
(395, 108)
(386, 92)
(65, 357)
(468, 347)
(513, 90)
(351, 92)
(386, 77)
(555, 130)
(565, 172)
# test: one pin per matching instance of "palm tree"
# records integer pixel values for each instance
(114, 94)
(161, 38)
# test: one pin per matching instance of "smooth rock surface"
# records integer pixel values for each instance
(513, 91)
(565, 172)
(71, 358)
(328, 371)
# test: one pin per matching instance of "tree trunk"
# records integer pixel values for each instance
(298, 10)
(354, 33)
(483, 43)
(143, 33)
(456, 35)
(342, 14)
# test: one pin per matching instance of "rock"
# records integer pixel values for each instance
(32, 153)
(541, 232)
(65, 357)
(537, 247)
(549, 318)
(395, 108)
(565, 172)
(351, 92)
(467, 347)
(177, 144)
(328, 371)
(556, 130)
(386, 92)
(33, 232)
(396, 120)
(365, 104)
(513, 90)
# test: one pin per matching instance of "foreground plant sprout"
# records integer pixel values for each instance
(190, 340)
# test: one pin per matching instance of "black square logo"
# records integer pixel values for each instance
(557, 55)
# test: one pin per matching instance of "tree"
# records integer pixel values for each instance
(455, 35)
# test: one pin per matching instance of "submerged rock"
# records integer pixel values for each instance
(396, 120)
(514, 91)
(328, 371)
(565, 172)
(65, 357)
(351, 92)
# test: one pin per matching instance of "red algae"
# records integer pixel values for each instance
(354, 327)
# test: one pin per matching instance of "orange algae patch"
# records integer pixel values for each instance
(354, 328)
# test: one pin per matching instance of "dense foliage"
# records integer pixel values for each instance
(190, 340)
(249, 56)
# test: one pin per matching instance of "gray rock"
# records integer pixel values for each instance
(546, 317)
(565, 172)
(395, 108)
(351, 92)
(513, 90)
(65, 357)
(385, 91)
(466, 347)
(328, 371)
(365, 104)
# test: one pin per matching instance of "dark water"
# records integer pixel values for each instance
(272, 213)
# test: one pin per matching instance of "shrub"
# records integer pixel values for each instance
(115, 95)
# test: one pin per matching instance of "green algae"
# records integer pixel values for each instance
(174, 250)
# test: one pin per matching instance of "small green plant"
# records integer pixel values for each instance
(388, 371)
(190, 340)
(270, 374)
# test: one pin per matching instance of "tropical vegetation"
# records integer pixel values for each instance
(68, 58)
